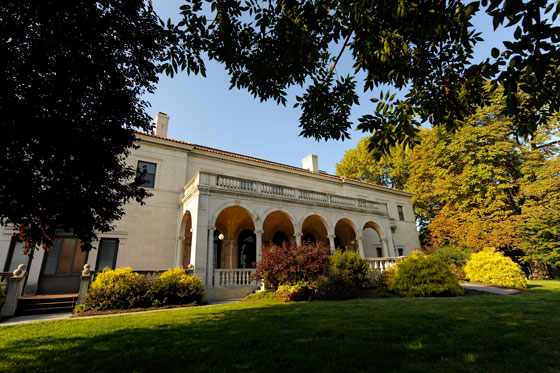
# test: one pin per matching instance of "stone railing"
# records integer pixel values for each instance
(12, 286)
(382, 264)
(273, 190)
(234, 277)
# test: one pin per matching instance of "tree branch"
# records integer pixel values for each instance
(340, 53)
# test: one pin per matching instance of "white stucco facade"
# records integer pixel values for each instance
(211, 208)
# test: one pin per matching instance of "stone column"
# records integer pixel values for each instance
(13, 292)
(85, 280)
(361, 246)
(210, 265)
(331, 242)
(258, 235)
(179, 257)
(298, 235)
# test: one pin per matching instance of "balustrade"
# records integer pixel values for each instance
(234, 277)
(383, 264)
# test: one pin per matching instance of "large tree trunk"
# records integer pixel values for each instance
(539, 271)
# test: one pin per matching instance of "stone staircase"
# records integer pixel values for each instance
(43, 304)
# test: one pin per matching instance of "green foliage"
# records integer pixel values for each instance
(383, 292)
(360, 164)
(423, 49)
(424, 275)
(118, 289)
(80, 308)
(453, 255)
(74, 73)
(351, 267)
(261, 295)
(492, 267)
(176, 287)
(301, 290)
(335, 287)
(387, 276)
(540, 233)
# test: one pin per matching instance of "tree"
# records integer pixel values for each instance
(390, 170)
(540, 235)
(424, 49)
(72, 74)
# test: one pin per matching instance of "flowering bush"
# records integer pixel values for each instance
(424, 275)
(118, 289)
(301, 290)
(176, 287)
(289, 263)
(492, 267)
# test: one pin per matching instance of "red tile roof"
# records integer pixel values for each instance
(263, 161)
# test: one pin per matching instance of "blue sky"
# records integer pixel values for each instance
(204, 111)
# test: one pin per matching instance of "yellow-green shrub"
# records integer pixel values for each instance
(118, 289)
(492, 267)
(301, 290)
(424, 275)
(176, 287)
(351, 266)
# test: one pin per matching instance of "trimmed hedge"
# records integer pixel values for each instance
(424, 275)
(492, 267)
(124, 289)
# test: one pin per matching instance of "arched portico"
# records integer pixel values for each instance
(185, 241)
(234, 238)
(373, 241)
(314, 229)
(278, 227)
(345, 235)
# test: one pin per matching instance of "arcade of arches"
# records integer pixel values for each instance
(238, 242)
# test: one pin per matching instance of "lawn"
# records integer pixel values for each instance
(477, 333)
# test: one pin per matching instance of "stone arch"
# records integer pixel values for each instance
(223, 206)
(373, 239)
(230, 223)
(346, 235)
(185, 237)
(315, 228)
(276, 224)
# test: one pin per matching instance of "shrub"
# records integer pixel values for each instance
(351, 267)
(301, 290)
(118, 289)
(288, 264)
(453, 255)
(335, 287)
(424, 275)
(386, 278)
(176, 287)
(80, 308)
(383, 292)
(492, 267)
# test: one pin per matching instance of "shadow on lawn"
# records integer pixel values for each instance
(389, 335)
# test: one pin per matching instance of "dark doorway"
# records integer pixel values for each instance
(279, 238)
(246, 250)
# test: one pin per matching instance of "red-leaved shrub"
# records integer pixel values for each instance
(288, 264)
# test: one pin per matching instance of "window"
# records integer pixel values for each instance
(379, 252)
(401, 212)
(16, 256)
(147, 172)
(107, 253)
(65, 258)
(401, 252)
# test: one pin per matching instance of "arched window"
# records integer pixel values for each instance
(279, 238)
(246, 250)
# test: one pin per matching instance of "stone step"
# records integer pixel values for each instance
(45, 304)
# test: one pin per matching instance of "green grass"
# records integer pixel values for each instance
(478, 333)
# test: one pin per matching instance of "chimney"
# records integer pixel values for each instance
(160, 124)
(311, 163)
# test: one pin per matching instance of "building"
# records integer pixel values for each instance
(216, 210)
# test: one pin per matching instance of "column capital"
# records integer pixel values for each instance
(297, 234)
(331, 236)
(359, 238)
(211, 228)
(258, 231)
(181, 238)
